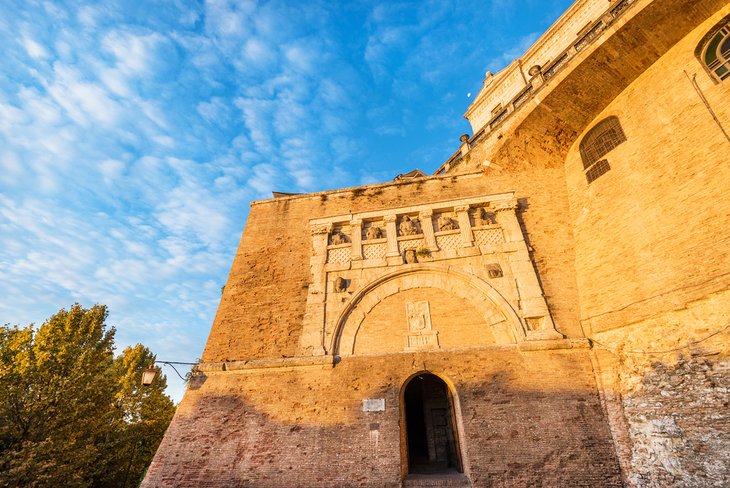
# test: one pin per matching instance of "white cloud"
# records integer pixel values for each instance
(215, 111)
(116, 81)
(83, 101)
(11, 168)
(264, 180)
(301, 56)
(256, 117)
(135, 54)
(34, 49)
(89, 15)
(111, 170)
(259, 52)
(224, 18)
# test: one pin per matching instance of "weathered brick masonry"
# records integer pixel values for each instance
(579, 329)
(529, 418)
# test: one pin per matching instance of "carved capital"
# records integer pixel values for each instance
(461, 208)
(321, 229)
(356, 222)
(425, 214)
(390, 219)
(504, 205)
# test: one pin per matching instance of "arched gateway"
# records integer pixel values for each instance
(431, 433)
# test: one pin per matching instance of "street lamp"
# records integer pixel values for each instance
(149, 374)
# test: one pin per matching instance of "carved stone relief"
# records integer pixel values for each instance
(341, 284)
(480, 235)
(482, 217)
(374, 232)
(494, 271)
(338, 237)
(420, 332)
(409, 227)
(446, 223)
(534, 323)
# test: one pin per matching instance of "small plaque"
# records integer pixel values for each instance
(373, 405)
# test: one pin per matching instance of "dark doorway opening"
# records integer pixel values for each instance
(430, 427)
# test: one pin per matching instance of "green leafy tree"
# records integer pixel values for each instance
(70, 413)
(143, 414)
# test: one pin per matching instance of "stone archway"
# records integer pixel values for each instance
(430, 422)
(493, 306)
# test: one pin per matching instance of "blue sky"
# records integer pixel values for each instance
(133, 135)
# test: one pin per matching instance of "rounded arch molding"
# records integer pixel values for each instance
(460, 283)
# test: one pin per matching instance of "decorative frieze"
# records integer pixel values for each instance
(444, 230)
(480, 236)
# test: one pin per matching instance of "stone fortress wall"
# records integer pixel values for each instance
(581, 327)
(280, 400)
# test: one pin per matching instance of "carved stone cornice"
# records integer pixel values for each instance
(501, 206)
(390, 218)
(319, 229)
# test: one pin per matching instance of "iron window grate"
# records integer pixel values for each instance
(597, 170)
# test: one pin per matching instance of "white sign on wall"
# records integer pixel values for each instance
(373, 405)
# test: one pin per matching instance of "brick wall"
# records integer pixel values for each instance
(639, 259)
(651, 234)
(264, 300)
(528, 419)
(665, 386)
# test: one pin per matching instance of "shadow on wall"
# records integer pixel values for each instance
(197, 380)
(307, 427)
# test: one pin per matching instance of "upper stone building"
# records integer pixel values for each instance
(549, 309)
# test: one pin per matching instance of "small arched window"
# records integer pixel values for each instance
(598, 142)
(715, 51)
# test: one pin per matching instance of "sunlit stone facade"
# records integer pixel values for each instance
(549, 309)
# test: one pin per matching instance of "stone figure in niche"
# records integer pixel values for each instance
(340, 284)
(338, 238)
(495, 271)
(410, 256)
(408, 227)
(446, 223)
(374, 232)
(482, 217)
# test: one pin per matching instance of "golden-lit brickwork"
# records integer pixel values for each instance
(549, 309)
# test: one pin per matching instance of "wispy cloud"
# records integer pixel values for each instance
(132, 140)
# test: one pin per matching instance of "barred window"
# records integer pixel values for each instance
(606, 135)
(598, 142)
(716, 51)
(598, 169)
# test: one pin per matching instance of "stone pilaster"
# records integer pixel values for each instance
(467, 236)
(426, 218)
(538, 322)
(391, 233)
(356, 239)
(312, 338)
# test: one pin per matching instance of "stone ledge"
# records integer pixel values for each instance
(545, 345)
(266, 363)
(328, 360)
